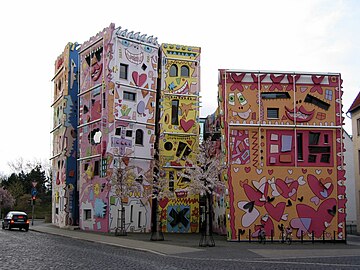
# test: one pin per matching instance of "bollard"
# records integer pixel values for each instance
(302, 237)
(238, 235)
(334, 236)
(272, 236)
(249, 235)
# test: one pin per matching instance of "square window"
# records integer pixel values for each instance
(358, 126)
(328, 94)
(97, 167)
(129, 96)
(325, 158)
(129, 133)
(118, 131)
(314, 138)
(312, 158)
(87, 214)
(273, 113)
(123, 71)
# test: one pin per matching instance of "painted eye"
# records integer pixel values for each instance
(147, 49)
(231, 99)
(241, 99)
(125, 43)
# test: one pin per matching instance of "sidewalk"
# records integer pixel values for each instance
(187, 245)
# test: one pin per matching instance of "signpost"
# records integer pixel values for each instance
(33, 198)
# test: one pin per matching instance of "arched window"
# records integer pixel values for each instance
(173, 70)
(139, 136)
(184, 71)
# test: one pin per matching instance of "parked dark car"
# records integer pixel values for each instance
(16, 219)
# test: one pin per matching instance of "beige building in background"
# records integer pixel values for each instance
(354, 110)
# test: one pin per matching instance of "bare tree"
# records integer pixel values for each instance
(124, 182)
(6, 200)
(205, 180)
(161, 191)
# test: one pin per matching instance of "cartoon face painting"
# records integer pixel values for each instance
(95, 64)
(239, 105)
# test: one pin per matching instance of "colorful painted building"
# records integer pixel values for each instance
(117, 102)
(283, 138)
(64, 137)
(179, 133)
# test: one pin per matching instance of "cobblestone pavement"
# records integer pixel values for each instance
(41, 249)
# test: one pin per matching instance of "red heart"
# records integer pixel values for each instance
(139, 80)
(186, 125)
(163, 202)
(276, 212)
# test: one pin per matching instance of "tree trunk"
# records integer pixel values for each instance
(207, 239)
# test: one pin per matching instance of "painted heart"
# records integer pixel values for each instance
(236, 169)
(290, 171)
(304, 170)
(259, 171)
(163, 202)
(276, 212)
(301, 181)
(260, 185)
(324, 213)
(322, 188)
(287, 190)
(139, 80)
(284, 217)
(186, 125)
(247, 169)
(318, 171)
(249, 206)
(315, 200)
(270, 172)
(302, 225)
(249, 217)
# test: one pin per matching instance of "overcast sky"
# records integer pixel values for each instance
(313, 35)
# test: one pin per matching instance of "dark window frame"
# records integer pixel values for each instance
(269, 112)
(123, 73)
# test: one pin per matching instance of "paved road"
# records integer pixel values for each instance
(36, 250)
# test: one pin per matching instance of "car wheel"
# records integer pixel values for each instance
(26, 229)
(3, 226)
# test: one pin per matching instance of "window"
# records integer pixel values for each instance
(103, 100)
(174, 112)
(314, 138)
(359, 160)
(185, 71)
(358, 126)
(129, 96)
(118, 131)
(87, 214)
(312, 159)
(299, 142)
(273, 113)
(131, 213)
(275, 95)
(317, 102)
(123, 71)
(326, 138)
(173, 71)
(97, 167)
(325, 158)
(129, 133)
(139, 136)
(328, 94)
(139, 220)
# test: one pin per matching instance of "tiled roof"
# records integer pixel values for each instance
(355, 104)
